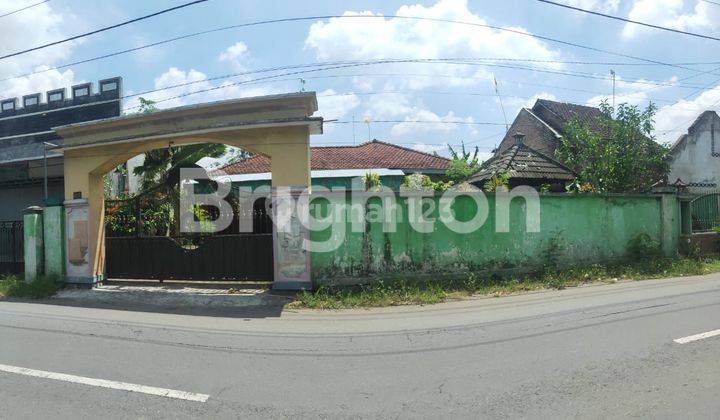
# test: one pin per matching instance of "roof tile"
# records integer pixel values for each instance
(372, 154)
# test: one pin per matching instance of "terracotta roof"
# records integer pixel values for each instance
(373, 154)
(524, 162)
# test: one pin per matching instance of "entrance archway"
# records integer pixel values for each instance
(277, 126)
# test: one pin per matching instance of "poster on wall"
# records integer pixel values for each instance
(78, 244)
(292, 261)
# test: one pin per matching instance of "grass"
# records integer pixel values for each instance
(409, 291)
(41, 288)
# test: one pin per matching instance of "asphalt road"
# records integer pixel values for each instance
(593, 352)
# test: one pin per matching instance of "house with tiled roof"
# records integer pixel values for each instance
(525, 166)
(530, 158)
(337, 166)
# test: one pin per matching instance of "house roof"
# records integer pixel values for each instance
(522, 161)
(372, 154)
(683, 138)
(558, 114)
(545, 123)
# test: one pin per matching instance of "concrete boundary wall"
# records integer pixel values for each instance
(574, 230)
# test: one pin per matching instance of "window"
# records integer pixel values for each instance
(106, 87)
(81, 92)
(56, 95)
(31, 101)
(8, 105)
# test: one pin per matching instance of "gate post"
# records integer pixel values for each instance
(292, 260)
(77, 239)
(54, 239)
(33, 243)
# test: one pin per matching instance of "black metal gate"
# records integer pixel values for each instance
(11, 248)
(211, 257)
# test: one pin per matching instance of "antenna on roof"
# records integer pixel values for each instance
(302, 85)
(353, 127)
(497, 92)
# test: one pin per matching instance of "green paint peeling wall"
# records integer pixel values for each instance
(54, 231)
(33, 243)
(574, 229)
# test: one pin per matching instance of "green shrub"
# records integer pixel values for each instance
(643, 247)
(41, 288)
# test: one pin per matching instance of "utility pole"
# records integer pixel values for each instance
(353, 128)
(612, 73)
(497, 92)
(45, 171)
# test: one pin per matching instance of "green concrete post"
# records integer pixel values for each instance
(686, 217)
(670, 211)
(54, 240)
(33, 243)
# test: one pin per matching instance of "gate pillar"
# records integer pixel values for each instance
(54, 240)
(33, 243)
(292, 260)
(78, 261)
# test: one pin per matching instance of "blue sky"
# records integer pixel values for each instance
(452, 102)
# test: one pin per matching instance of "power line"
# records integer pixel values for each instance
(23, 8)
(649, 25)
(354, 64)
(418, 18)
(418, 122)
(107, 28)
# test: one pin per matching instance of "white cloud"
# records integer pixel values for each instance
(235, 55)
(635, 92)
(604, 6)
(377, 37)
(514, 105)
(196, 81)
(335, 106)
(428, 121)
(430, 148)
(671, 13)
(34, 26)
(673, 120)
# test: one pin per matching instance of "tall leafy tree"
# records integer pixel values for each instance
(160, 163)
(615, 152)
(160, 170)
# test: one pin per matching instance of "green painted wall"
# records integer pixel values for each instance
(54, 232)
(574, 229)
(33, 243)
(391, 181)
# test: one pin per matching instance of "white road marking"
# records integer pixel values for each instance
(696, 337)
(102, 383)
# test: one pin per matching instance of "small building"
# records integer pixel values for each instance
(525, 166)
(31, 166)
(530, 159)
(695, 156)
(337, 166)
(26, 131)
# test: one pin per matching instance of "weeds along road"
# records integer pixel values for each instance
(646, 349)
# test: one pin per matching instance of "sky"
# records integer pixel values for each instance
(422, 105)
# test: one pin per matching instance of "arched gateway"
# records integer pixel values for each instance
(277, 126)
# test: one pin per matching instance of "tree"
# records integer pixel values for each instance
(616, 152)
(463, 165)
(160, 171)
(160, 162)
(420, 182)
